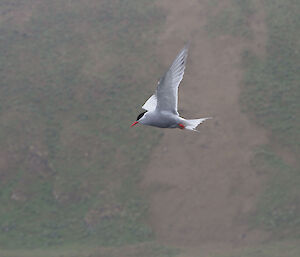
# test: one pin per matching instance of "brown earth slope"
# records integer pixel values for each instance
(204, 185)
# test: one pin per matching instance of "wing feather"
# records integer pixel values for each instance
(167, 89)
(151, 103)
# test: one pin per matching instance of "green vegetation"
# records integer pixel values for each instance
(72, 76)
(271, 96)
(272, 83)
(144, 250)
(286, 249)
(232, 19)
(277, 209)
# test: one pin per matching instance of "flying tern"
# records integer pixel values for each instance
(161, 108)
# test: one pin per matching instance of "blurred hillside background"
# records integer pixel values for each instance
(76, 181)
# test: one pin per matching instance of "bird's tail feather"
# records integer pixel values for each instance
(192, 124)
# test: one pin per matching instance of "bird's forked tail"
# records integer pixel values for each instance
(192, 124)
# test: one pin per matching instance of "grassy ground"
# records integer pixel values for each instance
(73, 74)
(274, 249)
(271, 98)
(231, 19)
(272, 94)
(63, 67)
(75, 250)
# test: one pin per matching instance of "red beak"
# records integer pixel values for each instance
(134, 123)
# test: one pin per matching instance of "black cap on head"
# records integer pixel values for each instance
(140, 115)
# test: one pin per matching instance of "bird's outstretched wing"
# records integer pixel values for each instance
(165, 97)
(167, 89)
